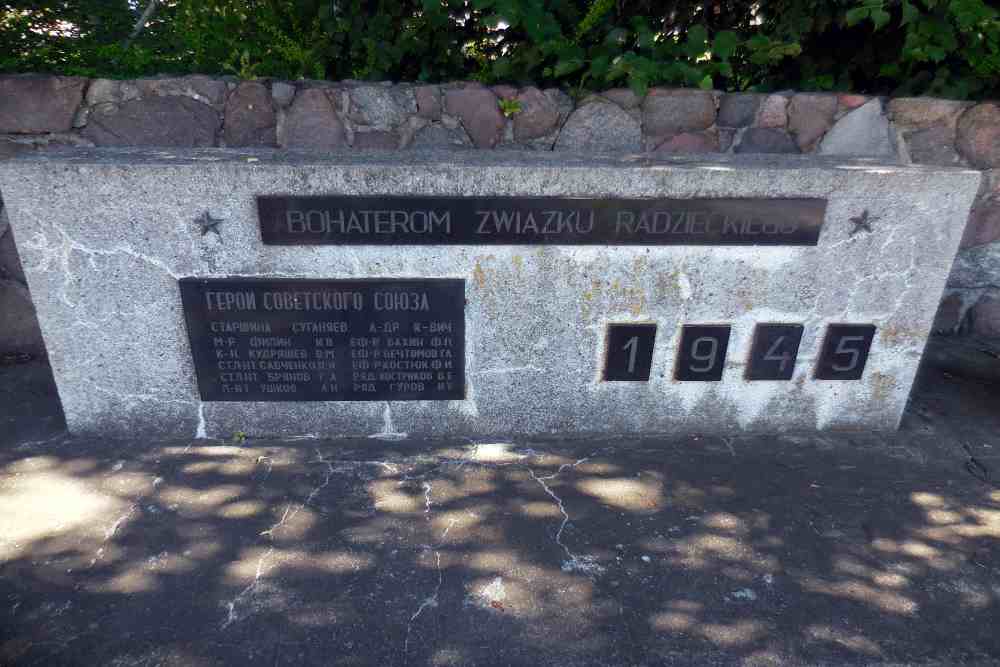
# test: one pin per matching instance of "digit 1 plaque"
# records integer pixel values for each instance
(774, 350)
(630, 352)
(702, 354)
(326, 340)
(845, 351)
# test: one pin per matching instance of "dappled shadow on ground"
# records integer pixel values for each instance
(496, 554)
(785, 549)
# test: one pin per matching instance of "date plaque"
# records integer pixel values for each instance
(702, 353)
(629, 352)
(845, 351)
(774, 351)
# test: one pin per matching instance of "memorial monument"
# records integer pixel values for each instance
(208, 292)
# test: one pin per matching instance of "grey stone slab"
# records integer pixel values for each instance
(537, 117)
(30, 103)
(440, 137)
(312, 122)
(979, 135)
(479, 109)
(10, 262)
(282, 93)
(863, 132)
(18, 326)
(766, 140)
(106, 235)
(382, 107)
(978, 266)
(933, 145)
(810, 115)
(250, 119)
(739, 109)
(986, 315)
(154, 121)
(600, 127)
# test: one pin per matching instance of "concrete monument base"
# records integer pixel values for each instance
(106, 237)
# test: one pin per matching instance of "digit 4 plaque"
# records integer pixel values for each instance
(775, 348)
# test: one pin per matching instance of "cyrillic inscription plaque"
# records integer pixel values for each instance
(326, 340)
(351, 220)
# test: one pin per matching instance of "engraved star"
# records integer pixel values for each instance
(863, 222)
(209, 224)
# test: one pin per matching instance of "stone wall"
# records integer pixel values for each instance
(39, 112)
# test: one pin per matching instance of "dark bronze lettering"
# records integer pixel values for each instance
(397, 220)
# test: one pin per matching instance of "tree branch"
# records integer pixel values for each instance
(141, 23)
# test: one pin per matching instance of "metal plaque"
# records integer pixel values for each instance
(845, 351)
(394, 220)
(774, 351)
(326, 340)
(702, 353)
(630, 352)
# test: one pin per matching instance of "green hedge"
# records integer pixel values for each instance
(900, 47)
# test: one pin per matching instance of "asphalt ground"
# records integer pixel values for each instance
(847, 548)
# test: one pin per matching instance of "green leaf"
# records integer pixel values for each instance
(880, 18)
(697, 41)
(619, 68)
(758, 43)
(564, 67)
(706, 83)
(910, 13)
(616, 37)
(857, 15)
(890, 70)
(724, 44)
(645, 37)
(599, 66)
(639, 84)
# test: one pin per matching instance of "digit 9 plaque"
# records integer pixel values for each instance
(702, 354)
(326, 340)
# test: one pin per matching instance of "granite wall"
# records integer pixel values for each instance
(40, 112)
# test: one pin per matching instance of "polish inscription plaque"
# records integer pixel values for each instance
(326, 340)
(422, 220)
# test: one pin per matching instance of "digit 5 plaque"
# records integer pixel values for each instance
(702, 353)
(845, 351)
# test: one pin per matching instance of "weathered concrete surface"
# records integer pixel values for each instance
(817, 549)
(536, 316)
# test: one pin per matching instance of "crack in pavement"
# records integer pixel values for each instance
(432, 599)
(573, 563)
(231, 607)
(134, 507)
